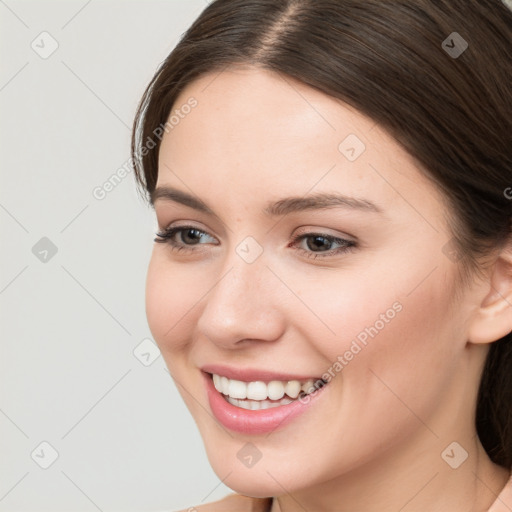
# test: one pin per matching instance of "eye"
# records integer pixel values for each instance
(323, 243)
(316, 243)
(189, 236)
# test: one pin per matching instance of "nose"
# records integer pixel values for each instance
(242, 305)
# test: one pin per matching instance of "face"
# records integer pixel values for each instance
(356, 288)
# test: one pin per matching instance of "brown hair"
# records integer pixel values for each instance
(400, 63)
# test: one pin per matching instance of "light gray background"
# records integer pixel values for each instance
(70, 325)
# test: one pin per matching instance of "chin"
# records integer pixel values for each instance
(266, 478)
(255, 485)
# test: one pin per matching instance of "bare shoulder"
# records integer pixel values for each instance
(233, 503)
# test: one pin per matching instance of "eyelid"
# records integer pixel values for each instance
(186, 224)
(170, 230)
(320, 231)
(176, 223)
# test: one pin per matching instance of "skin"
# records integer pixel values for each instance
(384, 420)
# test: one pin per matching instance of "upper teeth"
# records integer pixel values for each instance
(258, 390)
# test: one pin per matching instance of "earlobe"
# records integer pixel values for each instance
(493, 320)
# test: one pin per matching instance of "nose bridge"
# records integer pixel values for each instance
(240, 304)
(244, 273)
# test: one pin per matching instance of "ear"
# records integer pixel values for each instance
(493, 319)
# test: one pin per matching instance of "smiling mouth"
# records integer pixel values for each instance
(257, 395)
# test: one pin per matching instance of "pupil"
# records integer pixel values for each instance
(194, 239)
(319, 240)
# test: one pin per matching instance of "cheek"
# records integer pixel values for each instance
(389, 330)
(390, 307)
(170, 302)
(399, 348)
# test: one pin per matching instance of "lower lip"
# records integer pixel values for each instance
(255, 422)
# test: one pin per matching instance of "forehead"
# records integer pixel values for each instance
(267, 109)
(261, 133)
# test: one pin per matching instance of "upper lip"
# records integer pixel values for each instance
(254, 374)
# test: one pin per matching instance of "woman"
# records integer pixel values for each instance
(331, 281)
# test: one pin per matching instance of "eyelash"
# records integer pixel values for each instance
(166, 236)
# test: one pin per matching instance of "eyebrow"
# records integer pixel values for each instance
(282, 207)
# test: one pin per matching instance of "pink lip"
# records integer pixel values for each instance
(250, 374)
(255, 422)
